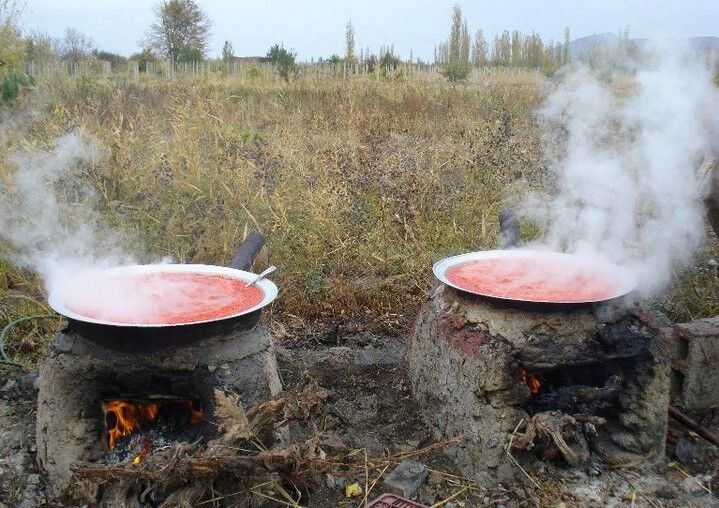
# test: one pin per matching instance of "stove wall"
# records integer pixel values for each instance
(77, 375)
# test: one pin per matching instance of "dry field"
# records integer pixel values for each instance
(359, 185)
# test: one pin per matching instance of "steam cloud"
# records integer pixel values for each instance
(623, 164)
(49, 216)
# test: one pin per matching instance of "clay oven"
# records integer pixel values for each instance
(555, 382)
(102, 403)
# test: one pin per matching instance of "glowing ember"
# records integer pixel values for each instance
(533, 381)
(123, 418)
(162, 298)
(534, 279)
(146, 446)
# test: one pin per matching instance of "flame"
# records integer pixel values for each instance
(196, 412)
(128, 417)
(147, 444)
(533, 381)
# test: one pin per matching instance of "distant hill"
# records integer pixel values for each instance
(578, 46)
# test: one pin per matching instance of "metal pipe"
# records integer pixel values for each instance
(509, 230)
(248, 251)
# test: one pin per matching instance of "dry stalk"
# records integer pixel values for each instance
(674, 465)
(511, 457)
(450, 498)
(374, 482)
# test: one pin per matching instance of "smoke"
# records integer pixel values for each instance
(622, 157)
(50, 219)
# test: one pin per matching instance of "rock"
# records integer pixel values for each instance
(693, 451)
(406, 478)
(330, 481)
(492, 442)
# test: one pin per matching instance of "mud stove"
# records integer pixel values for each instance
(539, 382)
(113, 395)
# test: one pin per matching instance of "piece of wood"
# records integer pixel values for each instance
(692, 425)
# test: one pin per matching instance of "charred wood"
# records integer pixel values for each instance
(581, 399)
(554, 433)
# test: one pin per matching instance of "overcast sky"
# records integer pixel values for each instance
(316, 27)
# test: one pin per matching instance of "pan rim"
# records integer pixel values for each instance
(626, 282)
(56, 299)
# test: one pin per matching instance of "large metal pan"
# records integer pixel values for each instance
(147, 337)
(622, 282)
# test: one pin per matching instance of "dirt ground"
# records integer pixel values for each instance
(370, 409)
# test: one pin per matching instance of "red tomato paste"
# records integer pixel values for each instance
(163, 298)
(534, 279)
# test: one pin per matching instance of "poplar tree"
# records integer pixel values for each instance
(479, 50)
(456, 55)
(349, 43)
(227, 51)
(565, 47)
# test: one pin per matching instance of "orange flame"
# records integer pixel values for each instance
(533, 381)
(128, 417)
(196, 412)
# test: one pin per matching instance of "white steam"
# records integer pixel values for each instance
(49, 216)
(624, 159)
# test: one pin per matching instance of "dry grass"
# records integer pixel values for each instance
(358, 185)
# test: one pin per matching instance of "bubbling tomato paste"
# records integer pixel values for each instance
(162, 298)
(534, 279)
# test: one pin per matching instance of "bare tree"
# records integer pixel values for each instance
(181, 26)
(75, 45)
(41, 46)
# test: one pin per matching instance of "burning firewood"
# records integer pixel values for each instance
(580, 399)
(184, 470)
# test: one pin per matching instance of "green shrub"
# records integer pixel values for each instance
(13, 84)
(283, 60)
(456, 72)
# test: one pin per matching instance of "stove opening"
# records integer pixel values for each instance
(136, 426)
(590, 389)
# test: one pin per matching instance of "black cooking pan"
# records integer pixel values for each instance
(134, 337)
